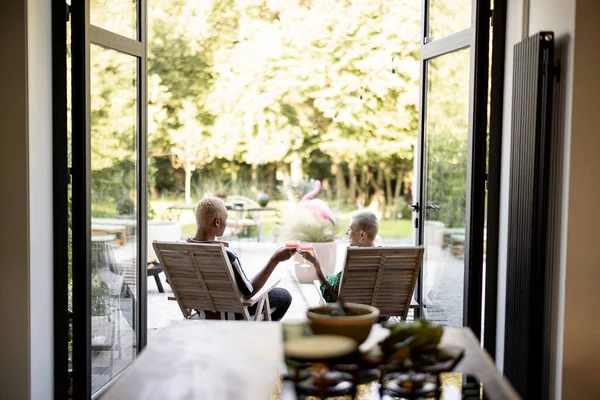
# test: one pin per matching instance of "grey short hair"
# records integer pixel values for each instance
(366, 221)
(207, 210)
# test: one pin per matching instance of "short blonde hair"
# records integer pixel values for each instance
(366, 221)
(207, 210)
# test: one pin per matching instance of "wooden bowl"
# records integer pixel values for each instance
(356, 326)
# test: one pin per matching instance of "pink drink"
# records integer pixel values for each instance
(292, 244)
(306, 247)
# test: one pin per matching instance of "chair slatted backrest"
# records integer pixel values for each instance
(200, 276)
(383, 277)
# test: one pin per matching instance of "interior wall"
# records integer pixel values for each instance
(14, 213)
(581, 349)
(26, 337)
(574, 352)
(527, 17)
(39, 38)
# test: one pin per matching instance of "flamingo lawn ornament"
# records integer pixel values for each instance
(317, 206)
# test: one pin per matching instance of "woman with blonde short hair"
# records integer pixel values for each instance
(211, 221)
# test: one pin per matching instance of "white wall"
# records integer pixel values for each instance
(559, 16)
(527, 17)
(573, 249)
(26, 313)
(39, 39)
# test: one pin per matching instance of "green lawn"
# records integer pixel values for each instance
(397, 229)
(401, 229)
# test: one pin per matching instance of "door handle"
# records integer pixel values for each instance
(433, 207)
(414, 207)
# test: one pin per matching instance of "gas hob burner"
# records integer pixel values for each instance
(410, 385)
(323, 382)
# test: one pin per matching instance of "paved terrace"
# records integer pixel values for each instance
(444, 283)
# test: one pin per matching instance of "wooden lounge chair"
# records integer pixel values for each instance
(202, 279)
(383, 277)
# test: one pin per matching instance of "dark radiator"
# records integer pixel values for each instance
(533, 77)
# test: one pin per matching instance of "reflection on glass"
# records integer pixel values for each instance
(447, 17)
(118, 16)
(444, 213)
(113, 86)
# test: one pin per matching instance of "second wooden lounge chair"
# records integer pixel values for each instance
(202, 279)
(383, 277)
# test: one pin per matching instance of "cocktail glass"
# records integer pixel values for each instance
(306, 247)
(292, 244)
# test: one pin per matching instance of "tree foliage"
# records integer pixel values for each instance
(273, 90)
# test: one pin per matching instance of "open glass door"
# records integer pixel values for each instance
(109, 190)
(451, 165)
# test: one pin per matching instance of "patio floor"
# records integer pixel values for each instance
(445, 306)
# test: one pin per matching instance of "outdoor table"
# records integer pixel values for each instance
(243, 211)
(197, 359)
(176, 209)
(108, 229)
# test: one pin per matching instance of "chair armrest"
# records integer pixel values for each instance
(270, 285)
(317, 284)
(413, 303)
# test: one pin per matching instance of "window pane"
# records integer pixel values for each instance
(448, 17)
(446, 141)
(114, 116)
(118, 16)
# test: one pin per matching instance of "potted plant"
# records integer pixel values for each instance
(302, 225)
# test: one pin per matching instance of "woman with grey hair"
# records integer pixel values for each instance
(362, 231)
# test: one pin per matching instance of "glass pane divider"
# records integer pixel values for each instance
(448, 44)
(114, 41)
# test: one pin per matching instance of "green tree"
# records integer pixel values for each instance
(180, 80)
(294, 90)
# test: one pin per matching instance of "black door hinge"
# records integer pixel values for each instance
(69, 173)
(492, 17)
(67, 12)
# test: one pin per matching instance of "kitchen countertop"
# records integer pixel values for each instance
(197, 359)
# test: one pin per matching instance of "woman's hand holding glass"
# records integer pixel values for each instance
(308, 253)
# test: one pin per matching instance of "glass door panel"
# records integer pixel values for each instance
(446, 136)
(114, 187)
(448, 17)
(118, 16)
